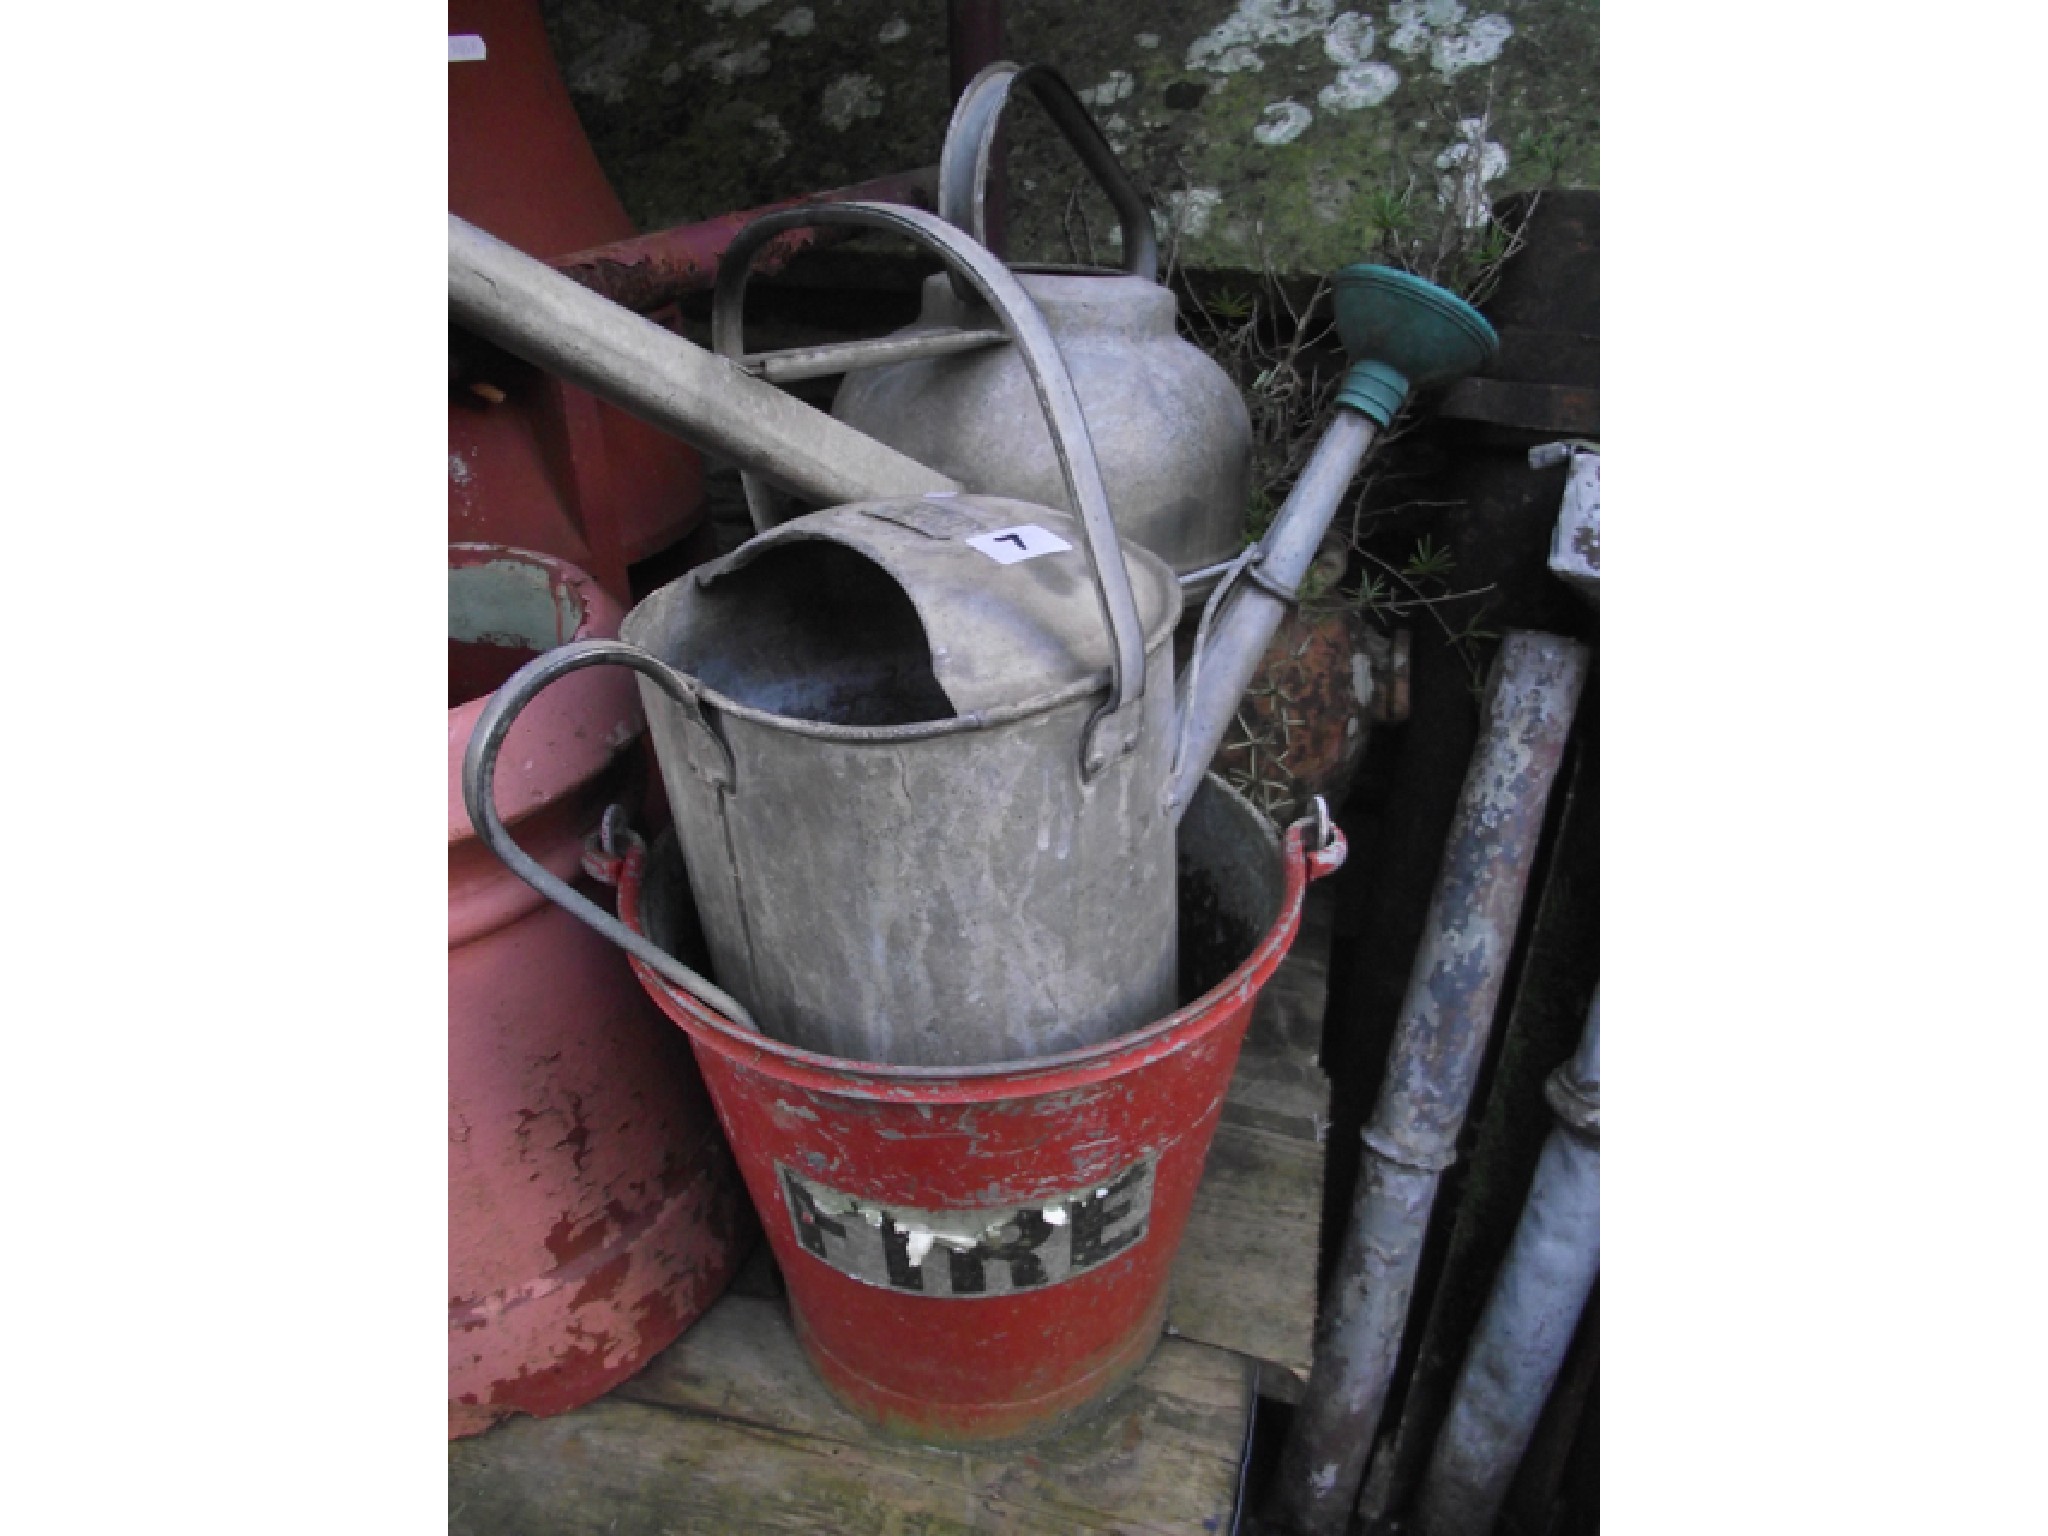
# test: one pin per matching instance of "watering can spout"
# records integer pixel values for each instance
(1403, 333)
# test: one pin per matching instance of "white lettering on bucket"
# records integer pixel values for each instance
(971, 1253)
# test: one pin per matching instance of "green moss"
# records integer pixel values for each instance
(681, 145)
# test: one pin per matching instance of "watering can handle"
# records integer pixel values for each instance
(971, 139)
(479, 795)
(1114, 730)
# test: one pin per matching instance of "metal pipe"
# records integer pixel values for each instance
(649, 271)
(1520, 1343)
(553, 322)
(1250, 613)
(1433, 1064)
(792, 365)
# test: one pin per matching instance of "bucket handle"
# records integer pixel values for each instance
(971, 139)
(1114, 729)
(479, 795)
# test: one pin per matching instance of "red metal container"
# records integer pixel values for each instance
(973, 1254)
(533, 461)
(593, 1208)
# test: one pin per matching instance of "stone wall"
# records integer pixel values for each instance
(1293, 134)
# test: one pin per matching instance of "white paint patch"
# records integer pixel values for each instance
(894, 30)
(1349, 40)
(1055, 1215)
(1284, 122)
(1234, 44)
(1468, 165)
(1117, 130)
(1147, 39)
(1116, 88)
(725, 61)
(774, 137)
(467, 48)
(1360, 86)
(849, 99)
(458, 470)
(1190, 211)
(917, 1242)
(797, 23)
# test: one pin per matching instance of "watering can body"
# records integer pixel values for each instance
(1171, 432)
(878, 785)
(925, 754)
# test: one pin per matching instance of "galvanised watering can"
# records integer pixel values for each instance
(1171, 432)
(923, 752)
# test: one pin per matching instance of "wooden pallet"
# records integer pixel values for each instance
(729, 1432)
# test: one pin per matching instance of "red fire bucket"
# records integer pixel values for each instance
(975, 1253)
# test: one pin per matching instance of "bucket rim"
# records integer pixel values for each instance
(988, 1081)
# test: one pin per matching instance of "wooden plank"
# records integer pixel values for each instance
(1245, 1277)
(728, 1431)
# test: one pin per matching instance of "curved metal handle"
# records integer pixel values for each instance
(479, 795)
(971, 139)
(1114, 729)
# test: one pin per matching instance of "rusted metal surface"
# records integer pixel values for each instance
(975, 1254)
(594, 1210)
(1301, 728)
(1529, 407)
(652, 271)
(1446, 1018)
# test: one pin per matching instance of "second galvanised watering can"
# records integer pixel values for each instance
(923, 753)
(1170, 430)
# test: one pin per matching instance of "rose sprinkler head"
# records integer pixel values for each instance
(1403, 333)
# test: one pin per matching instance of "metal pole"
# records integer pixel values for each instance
(1433, 1063)
(1519, 1346)
(1224, 662)
(530, 309)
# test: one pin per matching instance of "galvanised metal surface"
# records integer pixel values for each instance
(879, 790)
(918, 826)
(594, 1210)
(1170, 430)
(555, 323)
(1521, 1341)
(1400, 333)
(974, 1254)
(1453, 989)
